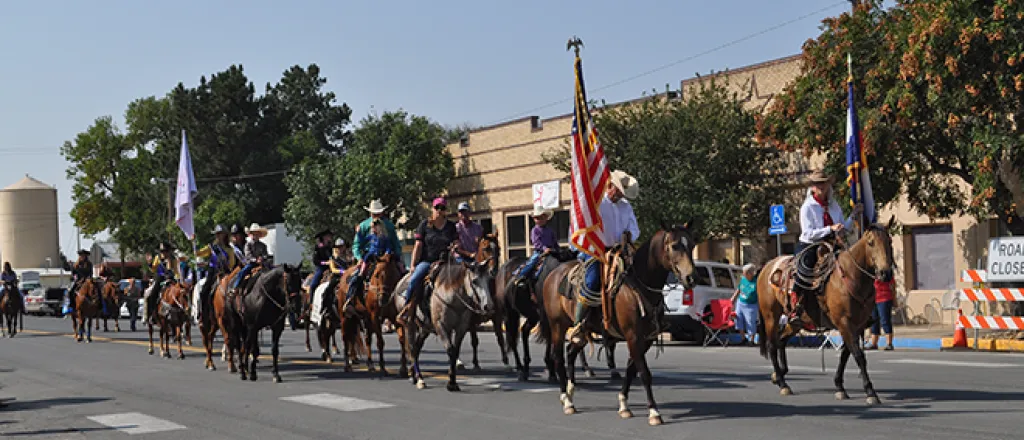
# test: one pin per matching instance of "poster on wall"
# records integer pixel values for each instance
(545, 195)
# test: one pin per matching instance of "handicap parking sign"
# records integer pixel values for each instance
(777, 219)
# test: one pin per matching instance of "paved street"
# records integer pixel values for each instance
(113, 389)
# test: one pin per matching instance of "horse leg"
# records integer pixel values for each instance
(369, 343)
(375, 327)
(88, 335)
(653, 416)
(208, 332)
(252, 341)
(150, 324)
(573, 351)
(420, 339)
(403, 370)
(609, 350)
(275, 339)
(844, 356)
(558, 357)
(499, 336)
(177, 331)
(862, 363)
(454, 346)
(631, 370)
(474, 340)
(583, 364)
(188, 331)
(512, 344)
(306, 325)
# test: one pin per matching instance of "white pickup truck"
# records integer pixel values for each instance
(713, 281)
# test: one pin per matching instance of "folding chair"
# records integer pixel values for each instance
(719, 319)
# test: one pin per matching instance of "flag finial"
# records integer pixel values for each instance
(849, 66)
(574, 43)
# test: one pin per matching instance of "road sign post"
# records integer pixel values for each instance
(777, 225)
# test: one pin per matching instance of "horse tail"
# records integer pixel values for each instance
(544, 335)
(762, 338)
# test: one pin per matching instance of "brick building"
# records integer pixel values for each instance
(497, 167)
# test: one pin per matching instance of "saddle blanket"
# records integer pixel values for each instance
(317, 311)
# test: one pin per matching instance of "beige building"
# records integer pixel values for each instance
(498, 166)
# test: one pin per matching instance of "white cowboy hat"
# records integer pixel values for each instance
(376, 207)
(540, 212)
(256, 229)
(627, 184)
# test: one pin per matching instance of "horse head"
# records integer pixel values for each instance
(878, 250)
(291, 279)
(479, 284)
(385, 273)
(676, 252)
(489, 250)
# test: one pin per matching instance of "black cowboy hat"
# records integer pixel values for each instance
(83, 252)
(218, 230)
(323, 233)
(340, 243)
(237, 229)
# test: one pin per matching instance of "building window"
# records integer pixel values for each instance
(515, 231)
(516, 253)
(933, 257)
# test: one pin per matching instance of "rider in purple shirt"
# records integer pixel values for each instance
(543, 239)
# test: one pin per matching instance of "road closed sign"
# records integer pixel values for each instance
(1006, 259)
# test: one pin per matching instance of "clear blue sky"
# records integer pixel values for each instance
(66, 63)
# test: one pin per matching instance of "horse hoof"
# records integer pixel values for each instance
(150, 350)
(786, 391)
(323, 356)
(383, 372)
(654, 421)
(615, 375)
(477, 369)
(569, 410)
(211, 368)
(88, 341)
(626, 414)
(252, 377)
(873, 400)
(459, 365)
(309, 349)
(277, 379)
(453, 387)
(591, 373)
(403, 373)
(181, 355)
(775, 379)
(523, 376)
(244, 378)
(841, 395)
(420, 385)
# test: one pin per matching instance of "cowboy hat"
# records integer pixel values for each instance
(627, 184)
(819, 176)
(339, 243)
(256, 229)
(83, 252)
(376, 207)
(218, 230)
(540, 212)
(464, 206)
(323, 233)
(236, 229)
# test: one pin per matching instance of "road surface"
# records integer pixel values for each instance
(113, 389)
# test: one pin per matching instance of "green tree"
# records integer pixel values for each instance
(939, 86)
(396, 157)
(694, 158)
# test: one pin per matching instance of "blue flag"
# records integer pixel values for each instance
(858, 175)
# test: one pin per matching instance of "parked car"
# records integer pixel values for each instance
(713, 281)
(132, 298)
(41, 300)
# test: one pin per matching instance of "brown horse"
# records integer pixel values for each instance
(88, 306)
(11, 309)
(845, 305)
(488, 252)
(633, 293)
(227, 319)
(172, 316)
(373, 308)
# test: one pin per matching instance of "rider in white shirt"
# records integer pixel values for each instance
(617, 217)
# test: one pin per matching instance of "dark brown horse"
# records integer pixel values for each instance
(308, 293)
(488, 252)
(88, 306)
(845, 305)
(266, 304)
(11, 309)
(633, 291)
(112, 299)
(172, 316)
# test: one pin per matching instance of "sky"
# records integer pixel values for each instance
(65, 63)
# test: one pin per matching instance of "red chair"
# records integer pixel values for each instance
(719, 319)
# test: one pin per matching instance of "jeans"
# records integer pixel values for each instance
(241, 275)
(593, 276)
(419, 273)
(531, 265)
(746, 318)
(317, 274)
(883, 318)
(354, 283)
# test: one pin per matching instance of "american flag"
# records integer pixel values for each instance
(589, 176)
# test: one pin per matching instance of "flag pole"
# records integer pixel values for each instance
(857, 198)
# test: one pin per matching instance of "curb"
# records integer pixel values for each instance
(999, 345)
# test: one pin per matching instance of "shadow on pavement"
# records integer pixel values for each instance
(42, 432)
(733, 410)
(22, 405)
(940, 395)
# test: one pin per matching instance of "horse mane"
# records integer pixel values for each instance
(451, 275)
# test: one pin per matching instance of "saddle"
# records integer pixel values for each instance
(791, 288)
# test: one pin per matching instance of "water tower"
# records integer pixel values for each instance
(28, 224)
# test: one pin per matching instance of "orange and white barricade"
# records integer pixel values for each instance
(980, 293)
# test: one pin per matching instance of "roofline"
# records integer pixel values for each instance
(684, 82)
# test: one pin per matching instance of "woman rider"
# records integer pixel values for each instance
(433, 238)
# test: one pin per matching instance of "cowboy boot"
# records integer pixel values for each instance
(575, 333)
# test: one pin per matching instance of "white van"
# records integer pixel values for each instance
(713, 281)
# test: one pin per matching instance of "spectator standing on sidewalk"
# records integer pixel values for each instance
(884, 300)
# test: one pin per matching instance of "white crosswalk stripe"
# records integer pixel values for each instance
(336, 402)
(135, 423)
